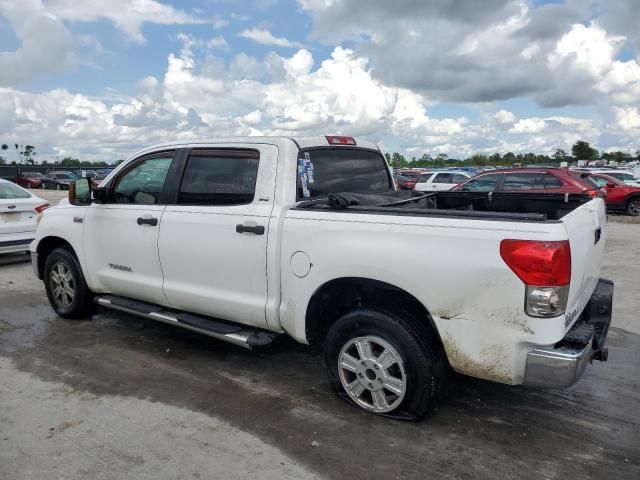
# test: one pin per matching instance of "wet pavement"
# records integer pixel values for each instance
(120, 397)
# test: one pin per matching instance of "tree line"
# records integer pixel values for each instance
(579, 151)
(26, 155)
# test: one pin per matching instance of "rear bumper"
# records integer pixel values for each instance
(17, 242)
(562, 364)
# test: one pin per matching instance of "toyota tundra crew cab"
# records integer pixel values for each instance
(247, 239)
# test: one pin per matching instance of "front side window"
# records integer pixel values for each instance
(334, 170)
(219, 178)
(457, 178)
(485, 183)
(142, 185)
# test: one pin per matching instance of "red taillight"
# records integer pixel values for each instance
(338, 140)
(42, 208)
(538, 263)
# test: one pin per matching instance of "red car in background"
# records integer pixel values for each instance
(532, 180)
(620, 196)
(406, 180)
(29, 179)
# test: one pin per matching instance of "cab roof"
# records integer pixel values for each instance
(301, 141)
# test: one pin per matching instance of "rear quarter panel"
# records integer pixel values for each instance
(452, 266)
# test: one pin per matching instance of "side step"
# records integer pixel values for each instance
(237, 334)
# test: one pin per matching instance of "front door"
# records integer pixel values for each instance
(121, 235)
(213, 241)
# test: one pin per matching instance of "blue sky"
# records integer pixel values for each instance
(94, 79)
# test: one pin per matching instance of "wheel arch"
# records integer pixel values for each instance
(46, 246)
(340, 295)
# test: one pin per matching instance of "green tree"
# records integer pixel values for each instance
(509, 158)
(583, 151)
(560, 155)
(69, 162)
(478, 159)
(28, 154)
(398, 160)
(4, 148)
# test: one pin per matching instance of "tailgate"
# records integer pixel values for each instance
(586, 228)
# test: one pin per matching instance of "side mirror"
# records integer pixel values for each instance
(80, 192)
(99, 194)
(611, 185)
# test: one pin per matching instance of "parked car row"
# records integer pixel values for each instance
(618, 195)
(59, 180)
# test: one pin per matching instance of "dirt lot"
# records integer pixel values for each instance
(120, 397)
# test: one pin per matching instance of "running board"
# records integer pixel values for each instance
(237, 334)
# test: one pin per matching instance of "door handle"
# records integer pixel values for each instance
(258, 229)
(148, 221)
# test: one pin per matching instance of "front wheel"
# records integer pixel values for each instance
(383, 364)
(633, 207)
(65, 285)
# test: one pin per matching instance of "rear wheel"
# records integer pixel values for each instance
(383, 364)
(65, 285)
(633, 207)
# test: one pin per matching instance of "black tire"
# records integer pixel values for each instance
(424, 365)
(633, 206)
(69, 274)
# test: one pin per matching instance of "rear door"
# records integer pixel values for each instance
(213, 239)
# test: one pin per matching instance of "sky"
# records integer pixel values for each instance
(100, 79)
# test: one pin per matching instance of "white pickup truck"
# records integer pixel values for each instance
(246, 239)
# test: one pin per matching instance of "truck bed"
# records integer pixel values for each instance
(527, 207)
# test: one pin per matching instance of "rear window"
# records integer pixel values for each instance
(9, 191)
(332, 170)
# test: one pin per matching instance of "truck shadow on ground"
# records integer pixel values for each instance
(280, 393)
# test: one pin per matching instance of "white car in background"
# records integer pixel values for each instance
(440, 181)
(19, 210)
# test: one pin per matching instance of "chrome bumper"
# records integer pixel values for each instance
(562, 364)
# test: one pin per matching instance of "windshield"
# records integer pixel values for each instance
(33, 175)
(9, 191)
(65, 176)
(332, 170)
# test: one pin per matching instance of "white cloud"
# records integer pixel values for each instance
(127, 15)
(34, 27)
(504, 117)
(265, 37)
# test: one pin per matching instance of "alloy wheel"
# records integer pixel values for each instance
(372, 373)
(62, 284)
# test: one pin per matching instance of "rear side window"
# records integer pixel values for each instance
(442, 178)
(333, 170)
(519, 181)
(219, 177)
(550, 181)
(485, 183)
(9, 191)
